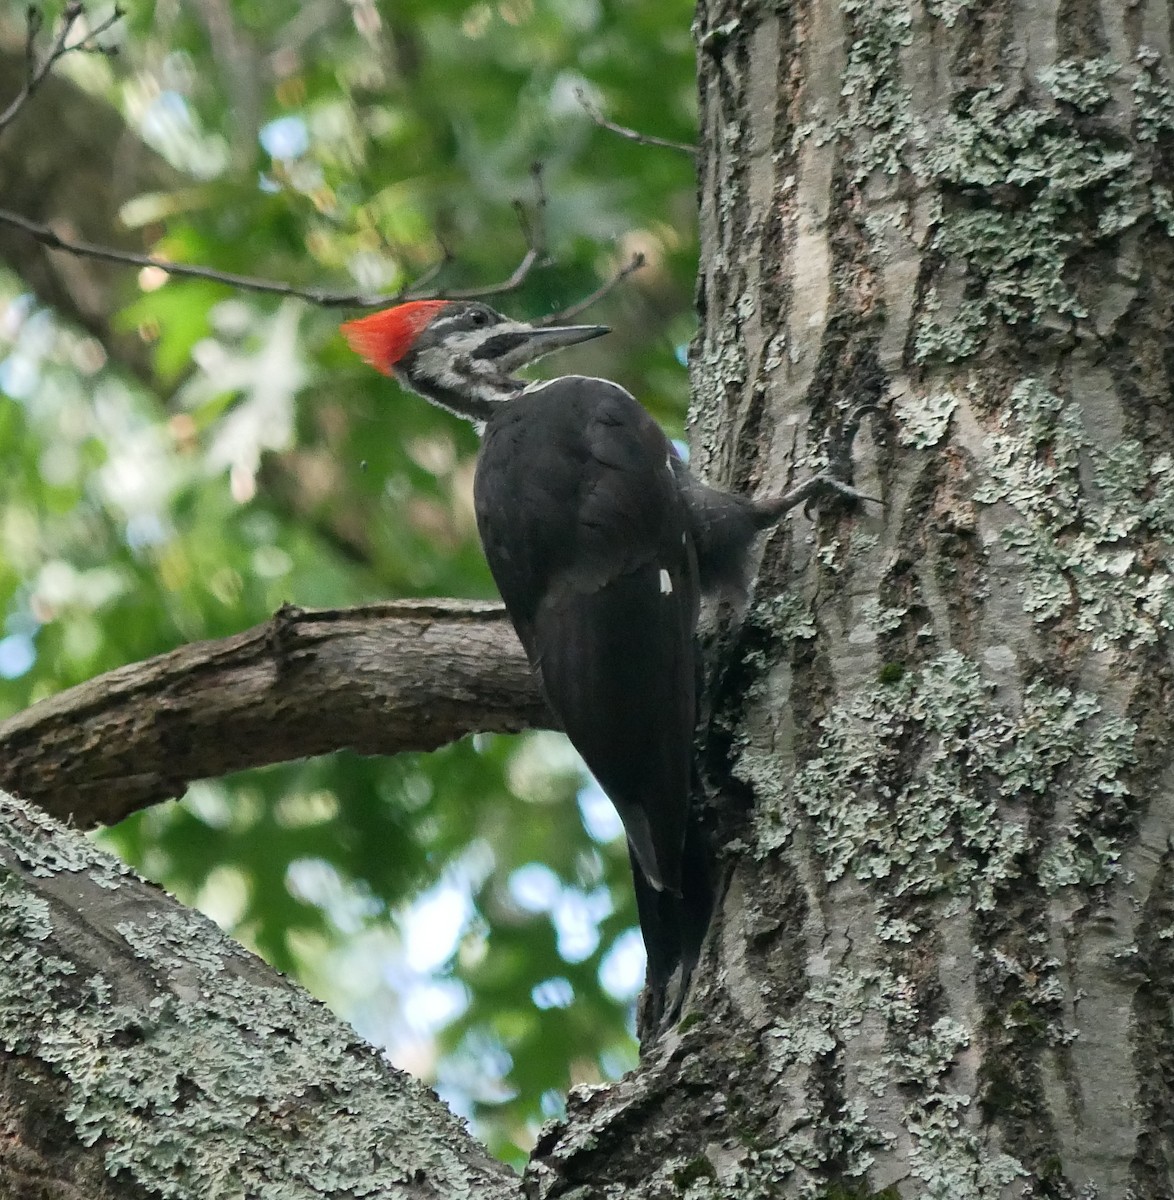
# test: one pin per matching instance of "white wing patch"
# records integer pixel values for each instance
(666, 584)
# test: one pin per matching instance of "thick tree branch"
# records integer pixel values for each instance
(147, 1054)
(408, 675)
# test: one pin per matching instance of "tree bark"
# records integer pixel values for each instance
(939, 756)
(145, 1054)
(408, 675)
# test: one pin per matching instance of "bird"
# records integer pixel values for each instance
(602, 544)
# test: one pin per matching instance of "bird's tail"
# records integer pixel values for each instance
(674, 928)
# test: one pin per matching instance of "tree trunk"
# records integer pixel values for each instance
(939, 748)
(937, 754)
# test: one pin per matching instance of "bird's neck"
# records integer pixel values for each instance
(474, 397)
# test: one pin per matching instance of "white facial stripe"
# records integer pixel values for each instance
(466, 341)
(447, 319)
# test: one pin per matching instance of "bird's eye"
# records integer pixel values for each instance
(478, 318)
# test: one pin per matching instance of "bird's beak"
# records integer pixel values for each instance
(536, 342)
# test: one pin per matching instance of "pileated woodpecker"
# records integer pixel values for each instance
(601, 544)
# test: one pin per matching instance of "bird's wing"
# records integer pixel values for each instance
(586, 535)
(617, 665)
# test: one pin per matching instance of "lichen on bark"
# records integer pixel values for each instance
(178, 1061)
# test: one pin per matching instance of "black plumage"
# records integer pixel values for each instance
(587, 536)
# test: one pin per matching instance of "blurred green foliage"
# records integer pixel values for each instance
(453, 906)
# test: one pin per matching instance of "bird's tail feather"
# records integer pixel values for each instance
(674, 928)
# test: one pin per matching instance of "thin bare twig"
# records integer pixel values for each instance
(541, 202)
(36, 72)
(249, 283)
(416, 290)
(426, 277)
(495, 289)
(632, 265)
(533, 227)
(533, 230)
(633, 135)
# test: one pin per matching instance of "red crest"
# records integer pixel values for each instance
(383, 338)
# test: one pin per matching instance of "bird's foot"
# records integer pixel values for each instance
(824, 483)
(830, 482)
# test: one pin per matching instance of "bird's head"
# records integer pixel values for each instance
(459, 354)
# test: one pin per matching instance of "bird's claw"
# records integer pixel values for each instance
(831, 479)
(830, 482)
(851, 426)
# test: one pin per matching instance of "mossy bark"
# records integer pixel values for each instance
(143, 1053)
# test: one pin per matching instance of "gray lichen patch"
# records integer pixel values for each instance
(187, 1064)
(1026, 189)
(947, 1148)
(877, 111)
(1028, 183)
(1082, 83)
(1034, 183)
(1099, 555)
(920, 785)
(1153, 98)
(939, 794)
(832, 1016)
(36, 845)
(1163, 202)
(25, 925)
(924, 419)
(948, 1151)
(950, 1158)
(948, 11)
